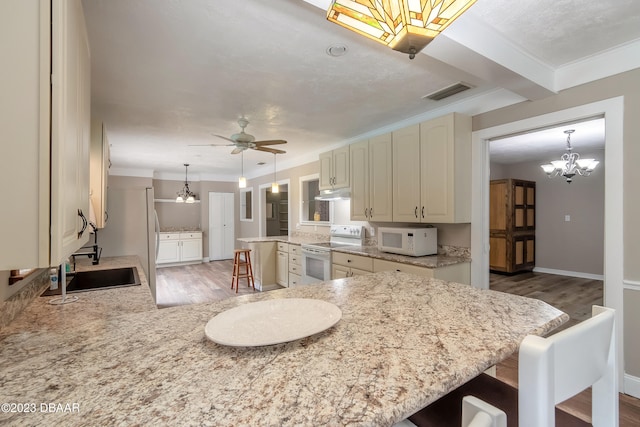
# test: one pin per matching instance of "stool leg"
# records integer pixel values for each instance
(253, 285)
(236, 271)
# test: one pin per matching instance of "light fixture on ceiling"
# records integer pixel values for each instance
(570, 163)
(242, 181)
(186, 195)
(274, 185)
(403, 25)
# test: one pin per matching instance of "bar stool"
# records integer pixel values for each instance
(248, 271)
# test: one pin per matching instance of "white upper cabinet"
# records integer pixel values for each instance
(334, 169)
(100, 164)
(371, 178)
(445, 165)
(406, 175)
(45, 132)
(432, 171)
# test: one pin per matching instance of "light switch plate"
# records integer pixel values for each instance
(567, 218)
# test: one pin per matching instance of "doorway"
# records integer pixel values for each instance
(221, 226)
(274, 212)
(613, 110)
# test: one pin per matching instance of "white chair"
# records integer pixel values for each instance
(554, 369)
(478, 413)
(550, 371)
(475, 413)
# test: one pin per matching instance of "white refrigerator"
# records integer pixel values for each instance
(132, 229)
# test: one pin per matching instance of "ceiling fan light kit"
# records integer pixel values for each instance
(404, 25)
(570, 163)
(242, 181)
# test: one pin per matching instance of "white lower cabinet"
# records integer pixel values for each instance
(295, 265)
(460, 273)
(179, 247)
(349, 265)
(282, 266)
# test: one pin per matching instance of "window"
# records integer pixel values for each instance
(318, 212)
(246, 204)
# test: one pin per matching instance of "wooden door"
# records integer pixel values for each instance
(498, 205)
(523, 253)
(523, 193)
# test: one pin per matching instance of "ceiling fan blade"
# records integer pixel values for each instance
(224, 137)
(270, 142)
(238, 150)
(211, 145)
(270, 150)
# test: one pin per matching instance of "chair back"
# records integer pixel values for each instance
(554, 369)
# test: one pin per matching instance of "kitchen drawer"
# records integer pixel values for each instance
(294, 279)
(295, 259)
(295, 250)
(283, 247)
(193, 235)
(383, 265)
(353, 261)
(295, 269)
(169, 236)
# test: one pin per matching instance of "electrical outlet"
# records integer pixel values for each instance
(372, 231)
(567, 218)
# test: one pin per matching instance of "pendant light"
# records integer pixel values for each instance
(186, 195)
(242, 181)
(274, 185)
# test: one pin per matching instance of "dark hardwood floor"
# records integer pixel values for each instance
(575, 297)
(209, 282)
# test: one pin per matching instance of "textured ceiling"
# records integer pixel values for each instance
(167, 74)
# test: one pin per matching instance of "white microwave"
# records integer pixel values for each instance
(408, 241)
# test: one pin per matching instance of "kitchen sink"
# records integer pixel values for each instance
(83, 281)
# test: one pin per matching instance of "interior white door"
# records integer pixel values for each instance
(221, 226)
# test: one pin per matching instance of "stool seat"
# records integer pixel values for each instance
(238, 262)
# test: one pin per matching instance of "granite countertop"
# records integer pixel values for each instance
(402, 342)
(431, 261)
(180, 230)
(294, 240)
(99, 304)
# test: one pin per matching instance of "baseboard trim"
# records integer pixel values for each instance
(632, 386)
(569, 273)
(206, 259)
(178, 264)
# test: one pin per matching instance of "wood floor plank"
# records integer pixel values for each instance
(574, 296)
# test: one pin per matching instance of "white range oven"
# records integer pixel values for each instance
(316, 257)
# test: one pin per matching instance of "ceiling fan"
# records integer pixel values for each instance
(243, 141)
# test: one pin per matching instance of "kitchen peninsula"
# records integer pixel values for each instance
(402, 342)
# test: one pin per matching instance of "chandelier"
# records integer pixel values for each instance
(570, 163)
(185, 195)
(404, 25)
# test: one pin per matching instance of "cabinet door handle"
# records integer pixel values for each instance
(348, 260)
(415, 212)
(370, 213)
(84, 223)
(423, 212)
(106, 216)
(366, 214)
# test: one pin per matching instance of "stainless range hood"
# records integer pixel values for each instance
(337, 194)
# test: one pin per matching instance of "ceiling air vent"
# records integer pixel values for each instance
(447, 91)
